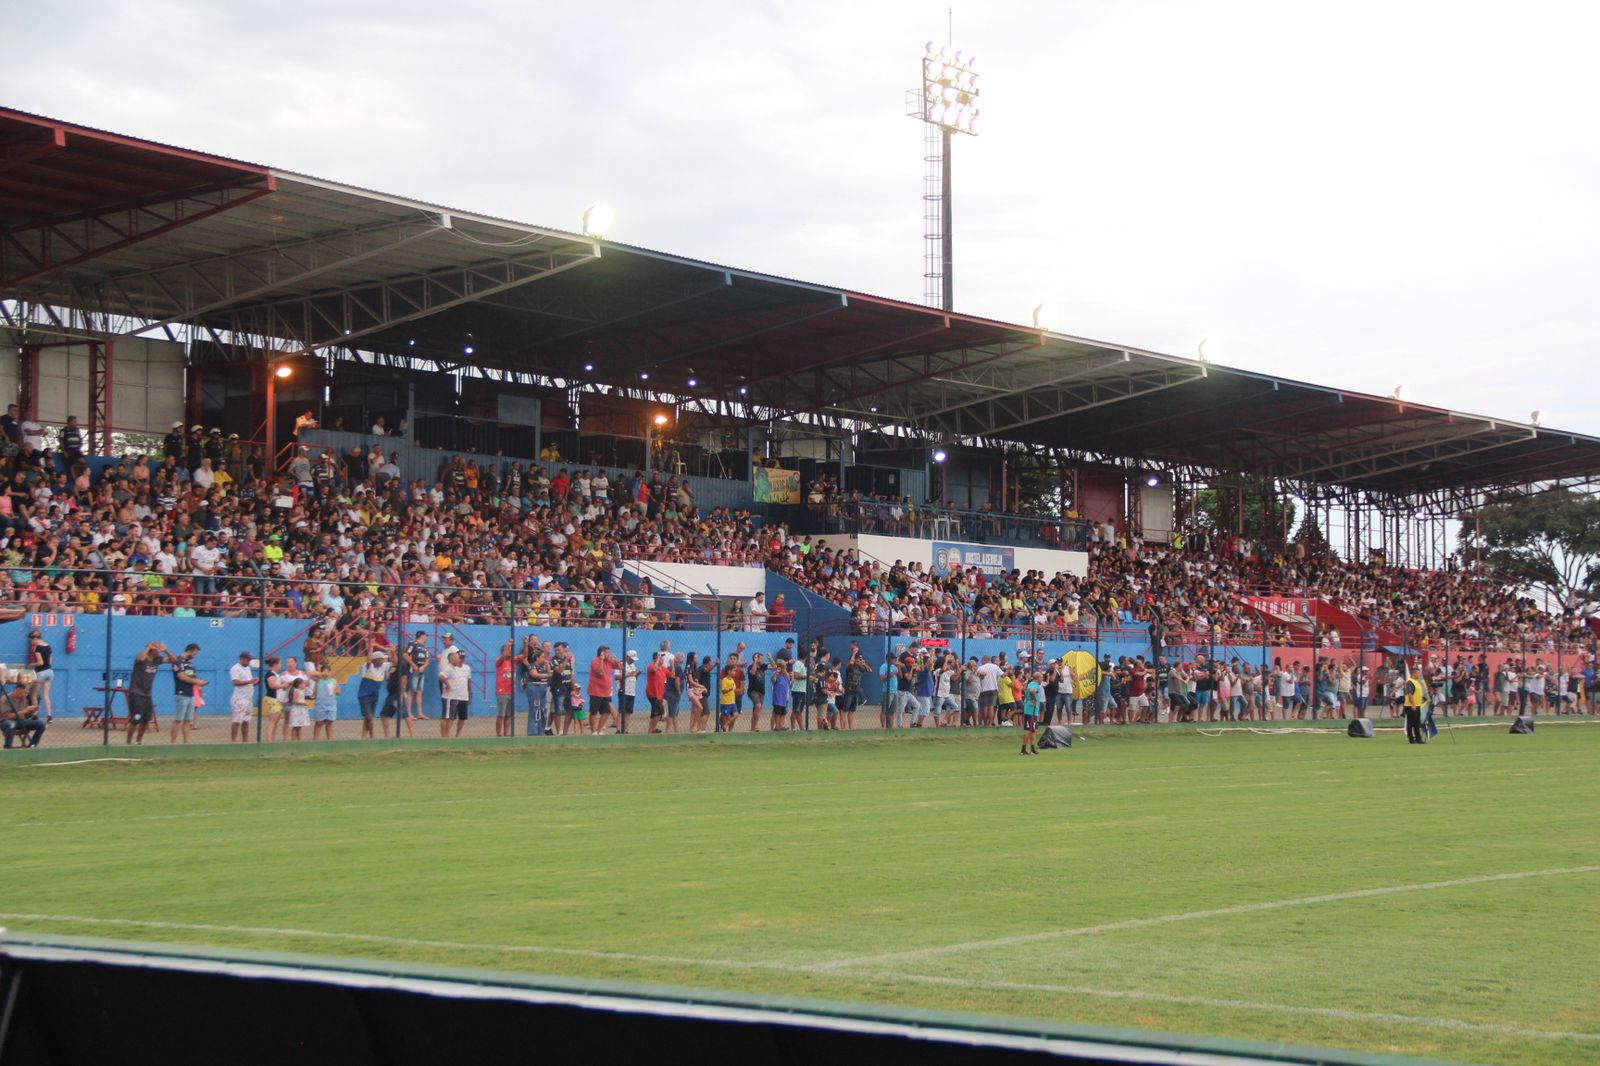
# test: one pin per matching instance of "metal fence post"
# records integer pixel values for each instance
(514, 659)
(105, 710)
(714, 690)
(261, 651)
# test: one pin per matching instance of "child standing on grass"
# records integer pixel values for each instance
(326, 707)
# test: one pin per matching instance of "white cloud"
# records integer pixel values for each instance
(1353, 195)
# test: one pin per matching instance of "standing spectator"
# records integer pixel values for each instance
(455, 691)
(630, 683)
(415, 668)
(756, 613)
(325, 703)
(40, 658)
(70, 441)
(11, 430)
(602, 679)
(536, 685)
(242, 680)
(374, 676)
(505, 675)
(185, 685)
(141, 701)
(298, 687)
(655, 691)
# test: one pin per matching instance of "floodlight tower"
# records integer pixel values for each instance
(947, 102)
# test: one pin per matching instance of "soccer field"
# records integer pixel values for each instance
(1439, 901)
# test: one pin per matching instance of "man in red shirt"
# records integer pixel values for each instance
(655, 689)
(504, 688)
(602, 677)
(1138, 701)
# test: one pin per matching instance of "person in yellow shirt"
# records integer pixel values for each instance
(728, 702)
(1415, 695)
(1007, 696)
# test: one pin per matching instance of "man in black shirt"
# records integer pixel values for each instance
(10, 428)
(172, 444)
(71, 440)
(141, 703)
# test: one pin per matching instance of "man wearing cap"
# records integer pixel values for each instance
(185, 685)
(242, 680)
(630, 683)
(172, 444)
(194, 449)
(455, 691)
(70, 441)
(374, 675)
(414, 667)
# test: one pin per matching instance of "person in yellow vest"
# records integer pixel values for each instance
(1414, 695)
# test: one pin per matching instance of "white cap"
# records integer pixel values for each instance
(632, 654)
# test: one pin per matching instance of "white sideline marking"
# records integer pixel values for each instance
(1189, 916)
(1339, 1013)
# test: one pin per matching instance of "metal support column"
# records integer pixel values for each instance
(100, 353)
(28, 381)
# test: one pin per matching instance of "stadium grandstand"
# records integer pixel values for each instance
(332, 423)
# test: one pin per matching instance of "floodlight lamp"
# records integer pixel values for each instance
(1152, 481)
(692, 383)
(661, 420)
(588, 368)
(284, 370)
(939, 455)
(1537, 418)
(873, 409)
(743, 391)
(597, 218)
(467, 349)
(644, 375)
(412, 343)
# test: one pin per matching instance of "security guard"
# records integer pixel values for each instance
(1415, 694)
(172, 444)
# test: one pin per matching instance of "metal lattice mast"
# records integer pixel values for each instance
(947, 100)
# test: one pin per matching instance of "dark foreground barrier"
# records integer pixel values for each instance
(66, 1000)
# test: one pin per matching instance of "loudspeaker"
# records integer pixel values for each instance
(1523, 724)
(1361, 727)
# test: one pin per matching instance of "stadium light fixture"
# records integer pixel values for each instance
(283, 370)
(597, 218)
(950, 93)
(467, 349)
(692, 383)
(1152, 481)
(660, 420)
(644, 375)
(939, 455)
(588, 368)
(1537, 418)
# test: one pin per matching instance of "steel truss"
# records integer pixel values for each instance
(33, 251)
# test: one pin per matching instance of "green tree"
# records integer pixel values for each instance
(1549, 542)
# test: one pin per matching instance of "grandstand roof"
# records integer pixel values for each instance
(102, 235)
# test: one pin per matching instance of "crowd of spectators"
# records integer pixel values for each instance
(344, 537)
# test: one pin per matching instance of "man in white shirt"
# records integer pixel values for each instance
(756, 612)
(988, 691)
(243, 685)
(455, 691)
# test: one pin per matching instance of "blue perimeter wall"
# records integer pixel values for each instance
(222, 639)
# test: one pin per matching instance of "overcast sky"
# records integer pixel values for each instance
(1360, 194)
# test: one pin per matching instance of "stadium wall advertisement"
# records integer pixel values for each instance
(994, 559)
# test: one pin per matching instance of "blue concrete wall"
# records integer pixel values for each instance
(222, 639)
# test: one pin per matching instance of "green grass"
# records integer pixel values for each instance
(759, 864)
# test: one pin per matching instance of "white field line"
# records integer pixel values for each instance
(1338, 1013)
(1189, 916)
